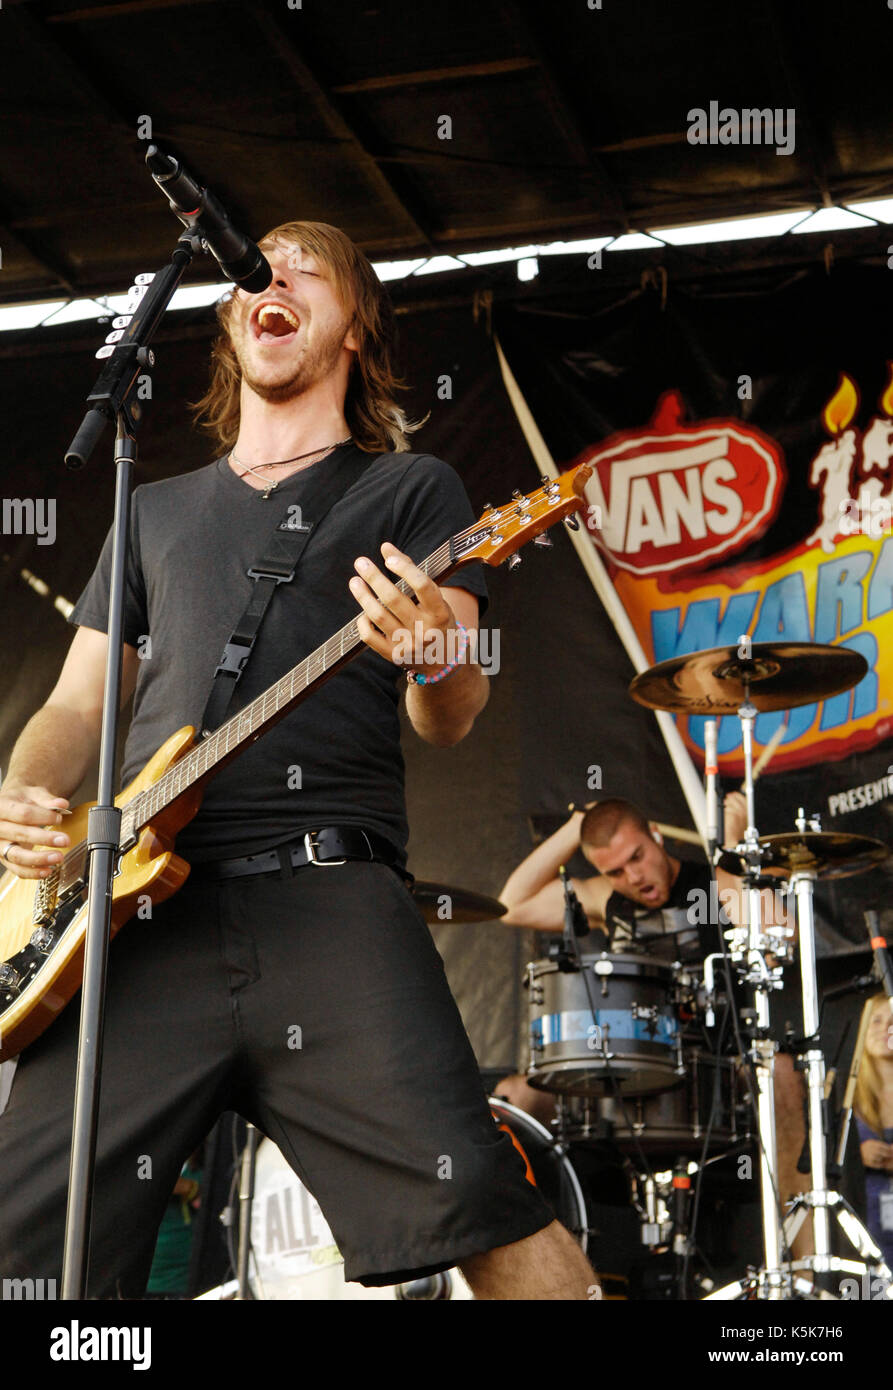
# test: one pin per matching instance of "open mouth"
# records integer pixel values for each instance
(274, 323)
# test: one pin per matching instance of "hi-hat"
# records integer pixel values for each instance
(825, 853)
(776, 676)
(440, 903)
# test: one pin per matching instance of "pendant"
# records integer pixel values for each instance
(272, 488)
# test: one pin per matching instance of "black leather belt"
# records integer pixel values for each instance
(324, 848)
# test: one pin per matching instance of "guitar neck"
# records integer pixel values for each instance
(225, 743)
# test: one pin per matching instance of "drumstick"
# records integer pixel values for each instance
(767, 754)
(676, 832)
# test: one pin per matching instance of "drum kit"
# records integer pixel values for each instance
(629, 1044)
(620, 1038)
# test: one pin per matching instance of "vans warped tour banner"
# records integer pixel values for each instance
(742, 452)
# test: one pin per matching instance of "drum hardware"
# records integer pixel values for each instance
(747, 680)
(811, 854)
(836, 859)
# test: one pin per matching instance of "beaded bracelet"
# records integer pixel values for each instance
(416, 678)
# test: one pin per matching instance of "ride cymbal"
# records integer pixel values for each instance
(776, 676)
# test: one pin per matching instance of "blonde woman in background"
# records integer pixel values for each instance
(873, 1104)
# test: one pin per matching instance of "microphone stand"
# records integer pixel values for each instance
(110, 400)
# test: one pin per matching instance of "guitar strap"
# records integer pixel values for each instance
(276, 566)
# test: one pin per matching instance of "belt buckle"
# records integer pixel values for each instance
(311, 849)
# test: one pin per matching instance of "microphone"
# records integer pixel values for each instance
(239, 258)
(881, 952)
(574, 916)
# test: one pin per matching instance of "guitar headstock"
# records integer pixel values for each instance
(500, 531)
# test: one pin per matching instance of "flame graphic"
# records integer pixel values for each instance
(841, 408)
(886, 401)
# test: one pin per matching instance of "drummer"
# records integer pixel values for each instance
(650, 902)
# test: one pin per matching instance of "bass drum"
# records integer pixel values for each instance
(293, 1253)
(548, 1167)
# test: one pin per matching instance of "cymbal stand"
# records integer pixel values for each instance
(749, 947)
(819, 1200)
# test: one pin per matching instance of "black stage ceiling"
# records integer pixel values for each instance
(564, 120)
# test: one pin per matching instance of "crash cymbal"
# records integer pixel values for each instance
(440, 903)
(826, 853)
(780, 675)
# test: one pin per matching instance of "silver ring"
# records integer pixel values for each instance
(5, 854)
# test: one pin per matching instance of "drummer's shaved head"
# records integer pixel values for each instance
(601, 823)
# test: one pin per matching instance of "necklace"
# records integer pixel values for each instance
(313, 454)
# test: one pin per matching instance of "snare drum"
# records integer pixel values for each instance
(610, 1025)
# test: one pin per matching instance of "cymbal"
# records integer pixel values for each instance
(440, 903)
(780, 675)
(826, 853)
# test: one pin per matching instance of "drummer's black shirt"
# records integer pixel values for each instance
(336, 758)
(693, 905)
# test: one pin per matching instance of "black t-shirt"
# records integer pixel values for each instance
(685, 928)
(336, 758)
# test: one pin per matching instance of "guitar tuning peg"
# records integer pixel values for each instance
(516, 492)
(543, 539)
(514, 561)
(572, 522)
(545, 479)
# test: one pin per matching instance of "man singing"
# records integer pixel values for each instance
(292, 978)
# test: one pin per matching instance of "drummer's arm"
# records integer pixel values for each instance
(544, 911)
(533, 893)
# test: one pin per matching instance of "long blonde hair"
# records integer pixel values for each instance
(867, 1097)
(376, 421)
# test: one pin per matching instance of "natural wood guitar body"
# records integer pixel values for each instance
(149, 870)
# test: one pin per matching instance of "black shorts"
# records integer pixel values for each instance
(315, 1005)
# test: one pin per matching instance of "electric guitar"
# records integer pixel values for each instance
(43, 922)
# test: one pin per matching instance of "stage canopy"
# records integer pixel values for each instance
(423, 128)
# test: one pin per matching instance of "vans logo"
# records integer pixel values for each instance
(673, 496)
